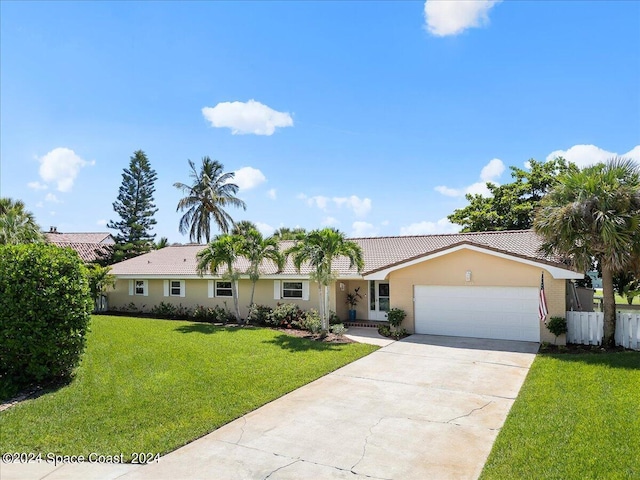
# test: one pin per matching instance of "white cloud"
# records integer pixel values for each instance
(425, 228)
(250, 117)
(451, 17)
(489, 173)
(448, 192)
(330, 222)
(363, 229)
(101, 223)
(584, 155)
(51, 198)
(266, 229)
(61, 166)
(318, 201)
(492, 170)
(272, 194)
(360, 206)
(37, 186)
(248, 177)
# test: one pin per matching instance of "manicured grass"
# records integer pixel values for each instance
(576, 417)
(153, 385)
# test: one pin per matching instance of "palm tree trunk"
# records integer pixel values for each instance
(325, 318)
(253, 289)
(320, 303)
(609, 307)
(234, 292)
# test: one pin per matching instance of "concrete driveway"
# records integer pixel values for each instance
(425, 407)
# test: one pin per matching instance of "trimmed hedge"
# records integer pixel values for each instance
(45, 308)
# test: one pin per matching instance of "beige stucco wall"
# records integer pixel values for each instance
(486, 270)
(341, 307)
(196, 292)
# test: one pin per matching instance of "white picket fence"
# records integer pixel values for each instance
(587, 328)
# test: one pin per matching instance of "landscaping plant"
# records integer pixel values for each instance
(45, 308)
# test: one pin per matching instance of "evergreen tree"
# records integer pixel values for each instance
(136, 209)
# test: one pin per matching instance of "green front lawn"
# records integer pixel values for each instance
(155, 385)
(577, 417)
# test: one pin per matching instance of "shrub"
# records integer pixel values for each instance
(45, 308)
(395, 316)
(259, 314)
(286, 315)
(557, 326)
(338, 329)
(164, 310)
(334, 319)
(311, 321)
(384, 330)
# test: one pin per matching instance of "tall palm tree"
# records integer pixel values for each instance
(17, 224)
(595, 213)
(223, 251)
(206, 198)
(256, 249)
(319, 248)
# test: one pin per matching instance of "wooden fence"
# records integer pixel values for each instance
(587, 328)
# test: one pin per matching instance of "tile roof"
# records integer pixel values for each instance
(97, 237)
(379, 253)
(89, 252)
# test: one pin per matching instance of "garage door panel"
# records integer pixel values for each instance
(486, 312)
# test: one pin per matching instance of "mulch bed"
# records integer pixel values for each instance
(328, 338)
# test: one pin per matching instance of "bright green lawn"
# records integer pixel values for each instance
(153, 385)
(577, 417)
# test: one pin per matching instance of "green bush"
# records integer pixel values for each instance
(286, 315)
(338, 329)
(395, 316)
(259, 314)
(45, 308)
(169, 310)
(311, 321)
(557, 326)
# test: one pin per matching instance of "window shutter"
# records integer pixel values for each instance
(166, 288)
(146, 288)
(131, 282)
(276, 289)
(183, 289)
(211, 285)
(305, 290)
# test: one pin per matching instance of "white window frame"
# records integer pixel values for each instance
(287, 287)
(278, 290)
(216, 289)
(133, 288)
(169, 288)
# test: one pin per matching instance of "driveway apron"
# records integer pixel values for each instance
(424, 407)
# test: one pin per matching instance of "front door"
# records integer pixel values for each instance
(378, 300)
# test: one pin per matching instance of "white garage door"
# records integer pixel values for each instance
(509, 313)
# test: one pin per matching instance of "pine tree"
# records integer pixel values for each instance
(136, 209)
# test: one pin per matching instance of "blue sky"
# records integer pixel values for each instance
(373, 117)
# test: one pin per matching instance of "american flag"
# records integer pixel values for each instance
(542, 303)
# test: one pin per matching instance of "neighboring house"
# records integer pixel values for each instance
(483, 285)
(90, 246)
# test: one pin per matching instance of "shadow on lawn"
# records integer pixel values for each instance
(629, 360)
(297, 344)
(207, 328)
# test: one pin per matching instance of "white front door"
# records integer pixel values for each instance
(378, 300)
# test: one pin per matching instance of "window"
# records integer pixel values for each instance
(138, 287)
(291, 289)
(223, 289)
(176, 288)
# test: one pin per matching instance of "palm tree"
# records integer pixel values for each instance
(222, 251)
(162, 243)
(207, 197)
(319, 248)
(286, 233)
(242, 227)
(100, 280)
(256, 249)
(595, 213)
(17, 224)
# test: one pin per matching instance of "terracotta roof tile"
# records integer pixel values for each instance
(98, 237)
(89, 252)
(379, 253)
